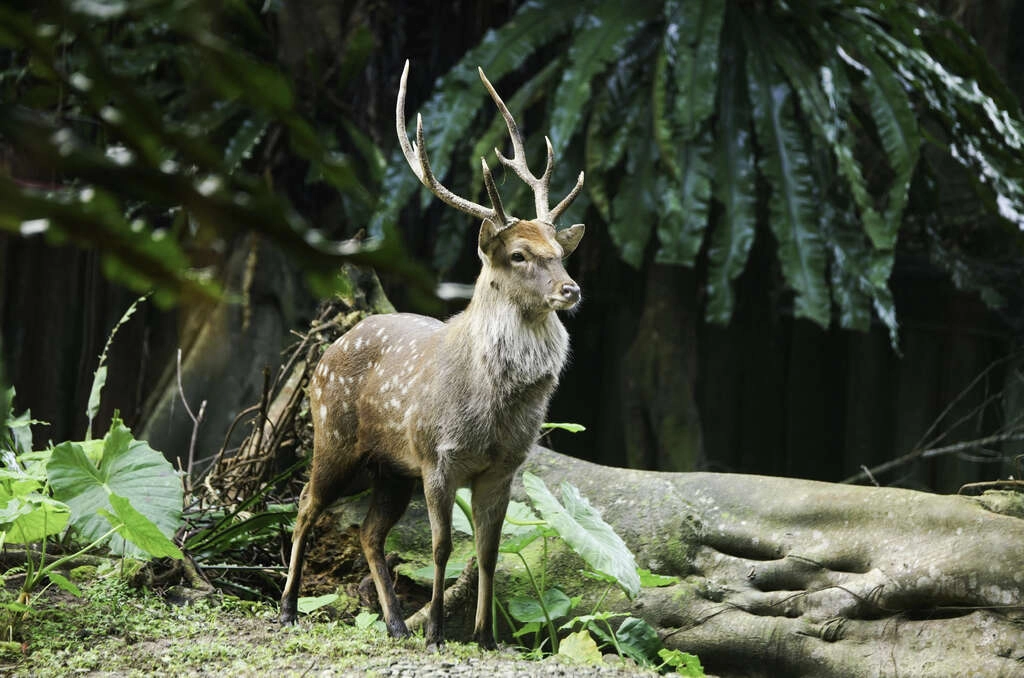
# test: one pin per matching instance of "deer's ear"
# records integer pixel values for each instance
(488, 236)
(569, 238)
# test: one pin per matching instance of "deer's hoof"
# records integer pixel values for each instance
(398, 629)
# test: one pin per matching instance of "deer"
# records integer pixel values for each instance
(451, 404)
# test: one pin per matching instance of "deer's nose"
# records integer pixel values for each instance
(571, 291)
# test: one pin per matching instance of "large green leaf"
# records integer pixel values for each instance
(686, 204)
(603, 36)
(691, 47)
(734, 184)
(636, 207)
(139, 530)
(686, 201)
(784, 162)
(27, 517)
(583, 529)
(825, 96)
(526, 609)
(639, 641)
(611, 127)
(128, 468)
(897, 129)
(580, 647)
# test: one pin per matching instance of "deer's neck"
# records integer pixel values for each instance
(507, 348)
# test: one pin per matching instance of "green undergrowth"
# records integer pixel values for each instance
(117, 630)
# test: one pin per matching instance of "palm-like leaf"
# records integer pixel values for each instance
(784, 162)
(734, 185)
(672, 96)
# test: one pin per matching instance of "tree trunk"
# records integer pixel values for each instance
(786, 577)
(662, 424)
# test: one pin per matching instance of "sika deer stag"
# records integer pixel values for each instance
(453, 404)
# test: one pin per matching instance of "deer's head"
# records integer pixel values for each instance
(522, 259)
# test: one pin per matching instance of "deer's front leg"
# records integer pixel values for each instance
(440, 495)
(490, 501)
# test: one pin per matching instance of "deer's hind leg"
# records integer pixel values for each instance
(326, 483)
(390, 497)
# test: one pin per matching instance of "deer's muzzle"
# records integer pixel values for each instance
(568, 295)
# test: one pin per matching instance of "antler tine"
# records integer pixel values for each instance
(417, 158)
(518, 160)
(411, 156)
(567, 200)
(492, 192)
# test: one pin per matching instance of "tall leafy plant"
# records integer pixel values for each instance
(153, 132)
(705, 125)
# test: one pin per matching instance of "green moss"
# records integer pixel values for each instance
(82, 573)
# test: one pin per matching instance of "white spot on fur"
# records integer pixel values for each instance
(359, 343)
(394, 403)
(323, 413)
(336, 434)
(318, 391)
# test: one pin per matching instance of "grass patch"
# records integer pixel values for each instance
(116, 629)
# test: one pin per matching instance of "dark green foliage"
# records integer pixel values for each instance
(704, 124)
(153, 131)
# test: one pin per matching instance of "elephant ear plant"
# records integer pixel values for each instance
(545, 612)
(114, 491)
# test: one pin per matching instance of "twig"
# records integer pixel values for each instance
(933, 452)
(924, 441)
(867, 472)
(973, 489)
(196, 421)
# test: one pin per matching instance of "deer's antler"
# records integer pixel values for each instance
(416, 156)
(517, 163)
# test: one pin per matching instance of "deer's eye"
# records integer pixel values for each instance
(517, 257)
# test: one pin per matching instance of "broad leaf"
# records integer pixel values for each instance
(734, 184)
(580, 647)
(307, 604)
(784, 162)
(583, 529)
(639, 640)
(139, 530)
(636, 207)
(691, 47)
(685, 205)
(528, 609)
(128, 468)
(682, 663)
(897, 128)
(649, 579)
(29, 517)
(603, 36)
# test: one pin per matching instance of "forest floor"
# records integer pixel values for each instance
(115, 630)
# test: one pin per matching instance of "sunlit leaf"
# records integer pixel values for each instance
(130, 469)
(583, 529)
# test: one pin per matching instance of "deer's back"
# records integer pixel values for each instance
(368, 383)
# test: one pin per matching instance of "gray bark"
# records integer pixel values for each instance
(787, 577)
